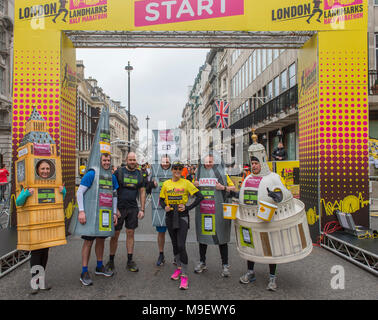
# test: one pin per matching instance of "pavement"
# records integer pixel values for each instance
(307, 279)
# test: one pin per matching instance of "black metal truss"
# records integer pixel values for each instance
(189, 39)
(12, 260)
(361, 257)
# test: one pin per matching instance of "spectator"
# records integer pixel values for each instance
(279, 153)
(3, 182)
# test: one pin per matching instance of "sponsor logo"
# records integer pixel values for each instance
(320, 11)
(149, 12)
(71, 12)
(308, 79)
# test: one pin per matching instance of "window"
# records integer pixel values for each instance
(263, 60)
(242, 78)
(276, 53)
(2, 40)
(2, 78)
(2, 6)
(249, 70)
(224, 85)
(247, 106)
(269, 90)
(269, 57)
(254, 102)
(376, 2)
(254, 65)
(292, 76)
(246, 74)
(284, 80)
(276, 85)
(258, 59)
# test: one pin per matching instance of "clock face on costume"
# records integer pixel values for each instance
(21, 171)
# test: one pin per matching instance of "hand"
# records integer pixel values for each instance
(167, 208)
(31, 191)
(115, 219)
(181, 207)
(140, 214)
(61, 188)
(219, 186)
(82, 218)
(276, 196)
(196, 183)
(118, 214)
(155, 183)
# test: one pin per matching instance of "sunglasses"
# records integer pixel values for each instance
(177, 168)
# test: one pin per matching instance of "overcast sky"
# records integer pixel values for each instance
(159, 81)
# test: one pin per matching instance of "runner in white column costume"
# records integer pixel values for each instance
(271, 226)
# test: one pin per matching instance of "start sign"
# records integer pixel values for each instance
(163, 12)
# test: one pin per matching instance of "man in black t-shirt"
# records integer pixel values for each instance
(131, 184)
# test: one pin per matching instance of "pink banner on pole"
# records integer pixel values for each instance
(149, 12)
(331, 4)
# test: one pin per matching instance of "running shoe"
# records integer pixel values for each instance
(248, 277)
(176, 274)
(86, 279)
(184, 284)
(272, 286)
(201, 267)
(103, 272)
(131, 266)
(110, 266)
(225, 270)
(161, 260)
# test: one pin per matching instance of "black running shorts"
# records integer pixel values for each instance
(129, 216)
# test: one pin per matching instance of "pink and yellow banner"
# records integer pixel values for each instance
(192, 15)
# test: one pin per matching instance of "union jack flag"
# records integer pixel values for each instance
(222, 110)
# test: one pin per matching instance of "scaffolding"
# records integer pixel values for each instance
(346, 247)
(189, 39)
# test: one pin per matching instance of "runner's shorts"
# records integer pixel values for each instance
(89, 238)
(129, 216)
(161, 229)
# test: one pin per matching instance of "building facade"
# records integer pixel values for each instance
(91, 99)
(6, 72)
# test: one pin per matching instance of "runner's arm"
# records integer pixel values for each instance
(198, 198)
(80, 196)
(142, 197)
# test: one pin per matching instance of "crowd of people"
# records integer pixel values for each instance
(132, 182)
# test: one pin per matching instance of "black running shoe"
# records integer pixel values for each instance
(131, 266)
(110, 266)
(161, 260)
(103, 272)
(86, 279)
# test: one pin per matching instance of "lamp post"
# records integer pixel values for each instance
(128, 68)
(147, 119)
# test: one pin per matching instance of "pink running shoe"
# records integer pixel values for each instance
(176, 274)
(184, 283)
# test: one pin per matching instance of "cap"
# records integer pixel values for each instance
(177, 164)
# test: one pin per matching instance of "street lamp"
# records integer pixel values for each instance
(147, 119)
(129, 68)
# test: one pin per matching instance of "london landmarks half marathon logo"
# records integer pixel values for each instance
(321, 11)
(72, 11)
